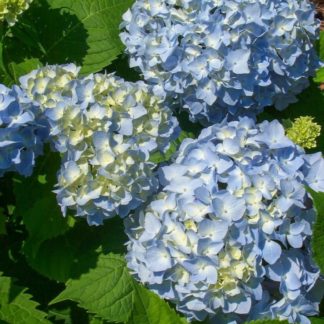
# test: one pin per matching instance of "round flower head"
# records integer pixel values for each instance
(106, 128)
(11, 9)
(21, 137)
(228, 235)
(223, 57)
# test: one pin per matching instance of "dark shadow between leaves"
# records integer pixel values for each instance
(51, 35)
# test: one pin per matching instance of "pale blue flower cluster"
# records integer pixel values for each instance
(223, 57)
(228, 235)
(21, 136)
(106, 129)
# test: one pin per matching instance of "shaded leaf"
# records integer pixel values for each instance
(16, 306)
(318, 229)
(37, 205)
(75, 252)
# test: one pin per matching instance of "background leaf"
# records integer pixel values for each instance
(310, 103)
(16, 305)
(85, 32)
(37, 204)
(318, 229)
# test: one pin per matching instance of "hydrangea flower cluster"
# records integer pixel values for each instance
(228, 235)
(226, 57)
(11, 9)
(304, 131)
(106, 128)
(21, 136)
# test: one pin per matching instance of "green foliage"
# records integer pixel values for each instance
(319, 78)
(110, 292)
(17, 305)
(2, 222)
(321, 46)
(62, 31)
(150, 309)
(106, 290)
(310, 103)
(37, 205)
(317, 320)
(318, 230)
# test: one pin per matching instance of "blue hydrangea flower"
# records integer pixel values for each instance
(106, 129)
(21, 136)
(228, 235)
(226, 57)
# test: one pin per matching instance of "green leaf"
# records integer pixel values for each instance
(2, 222)
(85, 32)
(316, 320)
(100, 20)
(321, 45)
(318, 230)
(75, 252)
(37, 205)
(107, 290)
(150, 309)
(319, 78)
(16, 306)
(15, 70)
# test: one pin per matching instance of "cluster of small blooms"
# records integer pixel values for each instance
(106, 128)
(228, 235)
(224, 57)
(21, 137)
(304, 132)
(11, 9)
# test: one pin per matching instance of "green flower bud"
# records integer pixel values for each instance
(304, 132)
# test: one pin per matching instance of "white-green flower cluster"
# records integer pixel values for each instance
(228, 235)
(11, 9)
(106, 128)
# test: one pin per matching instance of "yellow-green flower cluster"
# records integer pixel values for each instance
(304, 132)
(11, 9)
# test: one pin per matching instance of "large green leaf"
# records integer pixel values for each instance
(150, 309)
(317, 320)
(85, 32)
(16, 306)
(321, 45)
(106, 290)
(318, 230)
(109, 291)
(75, 252)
